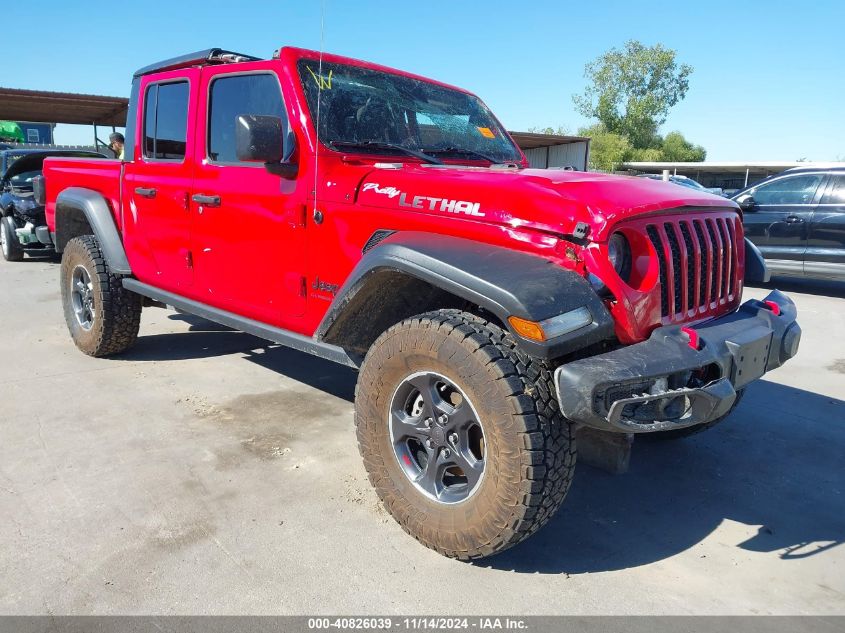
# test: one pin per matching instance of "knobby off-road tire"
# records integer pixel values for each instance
(529, 448)
(9, 244)
(677, 434)
(102, 316)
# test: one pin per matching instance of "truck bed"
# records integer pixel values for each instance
(101, 175)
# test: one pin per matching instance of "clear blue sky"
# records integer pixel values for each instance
(769, 80)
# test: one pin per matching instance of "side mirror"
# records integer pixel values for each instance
(261, 139)
(756, 271)
(746, 202)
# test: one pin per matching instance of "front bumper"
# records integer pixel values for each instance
(34, 237)
(681, 376)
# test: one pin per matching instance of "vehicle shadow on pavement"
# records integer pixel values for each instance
(42, 258)
(774, 466)
(328, 377)
(324, 375)
(204, 339)
(198, 324)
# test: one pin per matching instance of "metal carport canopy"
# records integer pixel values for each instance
(62, 107)
(534, 140)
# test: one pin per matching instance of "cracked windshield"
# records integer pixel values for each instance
(378, 112)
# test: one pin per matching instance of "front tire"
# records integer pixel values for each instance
(460, 434)
(9, 244)
(102, 316)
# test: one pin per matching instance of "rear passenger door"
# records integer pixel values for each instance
(779, 221)
(158, 180)
(826, 243)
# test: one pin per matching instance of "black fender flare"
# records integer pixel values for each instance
(756, 271)
(504, 282)
(76, 206)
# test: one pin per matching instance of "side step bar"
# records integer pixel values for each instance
(256, 328)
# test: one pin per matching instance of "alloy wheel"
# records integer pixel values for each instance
(82, 297)
(437, 437)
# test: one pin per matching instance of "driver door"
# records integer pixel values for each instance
(249, 233)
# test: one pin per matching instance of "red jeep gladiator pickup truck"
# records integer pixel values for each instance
(388, 222)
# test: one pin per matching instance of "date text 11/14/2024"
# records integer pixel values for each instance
(427, 623)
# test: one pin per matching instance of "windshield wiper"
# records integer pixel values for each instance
(386, 145)
(463, 152)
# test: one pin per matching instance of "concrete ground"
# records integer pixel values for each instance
(206, 472)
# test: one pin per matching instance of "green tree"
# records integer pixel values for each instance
(607, 149)
(645, 154)
(632, 90)
(560, 130)
(676, 148)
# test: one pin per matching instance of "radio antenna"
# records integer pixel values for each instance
(319, 94)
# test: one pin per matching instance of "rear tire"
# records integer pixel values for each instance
(102, 316)
(9, 244)
(523, 458)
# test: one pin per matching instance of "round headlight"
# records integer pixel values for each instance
(619, 252)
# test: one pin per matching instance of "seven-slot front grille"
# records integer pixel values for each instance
(697, 258)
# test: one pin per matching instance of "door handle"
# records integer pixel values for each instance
(793, 219)
(145, 192)
(206, 201)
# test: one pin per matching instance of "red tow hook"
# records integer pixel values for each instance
(694, 341)
(774, 307)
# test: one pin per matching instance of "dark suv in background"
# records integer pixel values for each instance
(23, 227)
(797, 220)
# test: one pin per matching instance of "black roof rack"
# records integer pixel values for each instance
(199, 58)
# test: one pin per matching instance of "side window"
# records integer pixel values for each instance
(790, 190)
(166, 121)
(836, 192)
(150, 120)
(232, 96)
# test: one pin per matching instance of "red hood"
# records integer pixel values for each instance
(545, 199)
